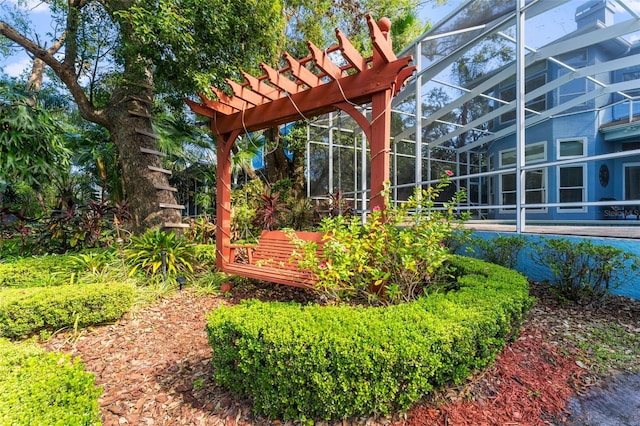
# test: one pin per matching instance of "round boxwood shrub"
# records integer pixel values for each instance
(332, 362)
(45, 388)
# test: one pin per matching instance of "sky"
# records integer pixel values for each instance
(14, 65)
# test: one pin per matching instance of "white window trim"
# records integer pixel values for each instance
(529, 145)
(559, 142)
(582, 209)
(529, 210)
(624, 180)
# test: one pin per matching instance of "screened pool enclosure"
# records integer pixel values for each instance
(534, 105)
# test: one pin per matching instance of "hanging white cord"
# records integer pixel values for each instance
(296, 106)
(388, 107)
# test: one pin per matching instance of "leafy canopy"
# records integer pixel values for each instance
(32, 146)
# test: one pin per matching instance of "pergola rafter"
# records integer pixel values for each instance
(303, 89)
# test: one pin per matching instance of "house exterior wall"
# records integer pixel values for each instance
(602, 180)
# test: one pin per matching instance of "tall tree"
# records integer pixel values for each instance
(118, 56)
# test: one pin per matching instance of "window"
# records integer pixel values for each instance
(507, 92)
(632, 181)
(571, 187)
(535, 189)
(572, 89)
(631, 75)
(571, 148)
(575, 58)
(508, 158)
(534, 153)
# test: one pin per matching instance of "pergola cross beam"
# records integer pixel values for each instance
(303, 89)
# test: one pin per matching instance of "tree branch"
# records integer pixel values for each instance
(68, 77)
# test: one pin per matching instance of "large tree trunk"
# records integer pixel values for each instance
(150, 205)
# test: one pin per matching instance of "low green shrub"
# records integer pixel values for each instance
(38, 271)
(584, 272)
(339, 361)
(28, 310)
(41, 388)
(502, 249)
(391, 258)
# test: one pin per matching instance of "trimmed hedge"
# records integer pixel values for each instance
(39, 271)
(26, 311)
(314, 362)
(41, 388)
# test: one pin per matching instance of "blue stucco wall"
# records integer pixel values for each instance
(540, 273)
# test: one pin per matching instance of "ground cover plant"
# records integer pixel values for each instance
(50, 294)
(26, 311)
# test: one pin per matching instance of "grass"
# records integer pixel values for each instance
(608, 347)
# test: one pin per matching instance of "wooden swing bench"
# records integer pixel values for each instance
(272, 259)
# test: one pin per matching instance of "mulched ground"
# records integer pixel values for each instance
(154, 368)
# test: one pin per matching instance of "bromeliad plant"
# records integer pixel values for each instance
(147, 251)
(393, 257)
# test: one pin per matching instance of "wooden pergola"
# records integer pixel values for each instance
(305, 88)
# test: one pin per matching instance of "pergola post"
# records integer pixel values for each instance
(380, 145)
(223, 197)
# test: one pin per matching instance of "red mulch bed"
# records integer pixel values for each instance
(154, 368)
(529, 384)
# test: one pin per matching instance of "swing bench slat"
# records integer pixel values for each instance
(271, 259)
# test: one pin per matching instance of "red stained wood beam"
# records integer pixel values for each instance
(301, 73)
(357, 88)
(279, 80)
(261, 87)
(350, 53)
(323, 62)
(380, 39)
(231, 101)
(245, 93)
(200, 109)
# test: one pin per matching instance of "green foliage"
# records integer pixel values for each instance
(45, 388)
(244, 206)
(239, 35)
(31, 145)
(94, 262)
(608, 346)
(39, 271)
(54, 270)
(585, 272)
(392, 257)
(339, 361)
(316, 21)
(148, 252)
(501, 250)
(204, 257)
(29, 310)
(210, 282)
(202, 230)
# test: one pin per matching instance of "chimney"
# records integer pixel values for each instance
(595, 11)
